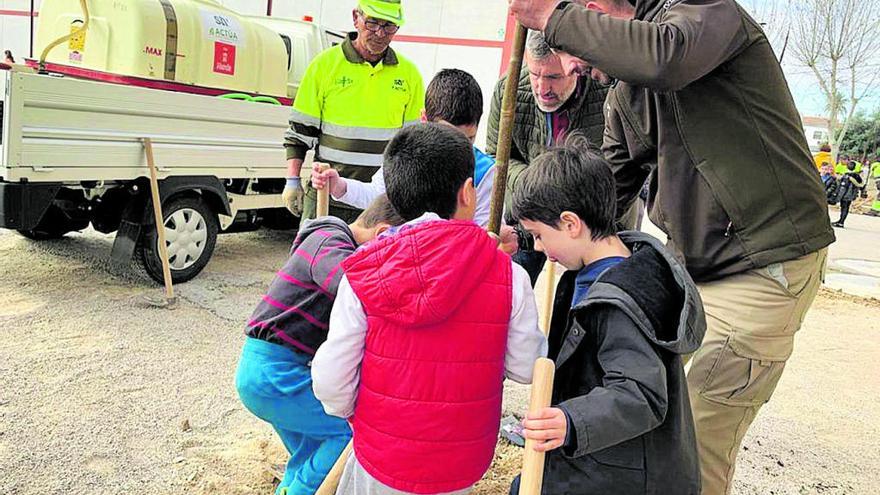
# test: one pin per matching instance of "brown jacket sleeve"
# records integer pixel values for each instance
(691, 40)
(630, 172)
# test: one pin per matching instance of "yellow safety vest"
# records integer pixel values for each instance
(348, 109)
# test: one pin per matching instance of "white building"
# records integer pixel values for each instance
(474, 36)
(816, 129)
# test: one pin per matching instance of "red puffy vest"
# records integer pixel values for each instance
(438, 298)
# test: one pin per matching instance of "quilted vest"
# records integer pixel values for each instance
(438, 299)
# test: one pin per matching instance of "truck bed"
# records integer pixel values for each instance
(61, 129)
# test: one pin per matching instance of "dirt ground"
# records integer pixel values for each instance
(101, 394)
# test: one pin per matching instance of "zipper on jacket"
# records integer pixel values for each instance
(729, 228)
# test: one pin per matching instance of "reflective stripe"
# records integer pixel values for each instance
(349, 132)
(309, 141)
(303, 118)
(353, 145)
(349, 157)
(411, 122)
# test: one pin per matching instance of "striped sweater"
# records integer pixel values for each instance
(295, 310)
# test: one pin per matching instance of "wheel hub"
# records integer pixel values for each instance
(186, 235)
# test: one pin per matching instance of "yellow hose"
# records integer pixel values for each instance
(85, 9)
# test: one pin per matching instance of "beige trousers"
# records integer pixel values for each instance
(752, 319)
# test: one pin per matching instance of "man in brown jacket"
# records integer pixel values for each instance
(701, 104)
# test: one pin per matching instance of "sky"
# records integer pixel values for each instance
(804, 86)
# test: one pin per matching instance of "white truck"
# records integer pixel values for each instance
(72, 155)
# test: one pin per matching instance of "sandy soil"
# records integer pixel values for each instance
(102, 394)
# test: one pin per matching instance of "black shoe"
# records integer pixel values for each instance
(838, 225)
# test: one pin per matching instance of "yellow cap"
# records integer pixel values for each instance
(386, 10)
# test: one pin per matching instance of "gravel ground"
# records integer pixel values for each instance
(102, 394)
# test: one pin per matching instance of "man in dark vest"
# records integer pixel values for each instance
(550, 105)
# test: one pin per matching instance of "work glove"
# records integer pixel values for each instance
(293, 196)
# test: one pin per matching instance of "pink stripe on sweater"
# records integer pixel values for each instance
(294, 309)
(289, 278)
(304, 255)
(342, 244)
(330, 276)
(324, 252)
(283, 336)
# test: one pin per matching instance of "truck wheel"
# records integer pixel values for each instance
(53, 225)
(191, 229)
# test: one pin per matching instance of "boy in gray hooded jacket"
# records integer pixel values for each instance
(624, 314)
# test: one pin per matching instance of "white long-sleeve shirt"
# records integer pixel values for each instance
(337, 365)
(361, 194)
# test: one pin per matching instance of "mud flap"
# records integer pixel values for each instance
(125, 243)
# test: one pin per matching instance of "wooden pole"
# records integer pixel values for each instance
(533, 461)
(505, 129)
(549, 293)
(323, 208)
(160, 220)
(331, 482)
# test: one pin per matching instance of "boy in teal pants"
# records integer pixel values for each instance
(274, 379)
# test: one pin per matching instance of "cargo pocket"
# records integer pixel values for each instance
(747, 369)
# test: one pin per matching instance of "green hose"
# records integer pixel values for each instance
(246, 97)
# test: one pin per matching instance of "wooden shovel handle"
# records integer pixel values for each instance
(323, 195)
(331, 482)
(533, 461)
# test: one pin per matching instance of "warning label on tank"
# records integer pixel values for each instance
(223, 28)
(224, 58)
(77, 42)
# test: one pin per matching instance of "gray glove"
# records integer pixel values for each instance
(293, 196)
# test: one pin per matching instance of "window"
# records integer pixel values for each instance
(818, 135)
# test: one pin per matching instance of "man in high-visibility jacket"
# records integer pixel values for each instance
(352, 100)
(875, 173)
(823, 156)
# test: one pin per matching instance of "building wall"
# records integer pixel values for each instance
(15, 26)
(816, 136)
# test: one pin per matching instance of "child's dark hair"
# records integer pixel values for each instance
(425, 167)
(568, 178)
(380, 211)
(454, 96)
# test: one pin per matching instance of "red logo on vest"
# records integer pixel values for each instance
(224, 58)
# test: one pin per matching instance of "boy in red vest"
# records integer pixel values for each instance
(427, 323)
(624, 315)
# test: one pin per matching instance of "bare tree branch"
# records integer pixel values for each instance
(837, 40)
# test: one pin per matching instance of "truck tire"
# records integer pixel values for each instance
(54, 225)
(191, 228)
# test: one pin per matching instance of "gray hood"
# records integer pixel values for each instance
(653, 288)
